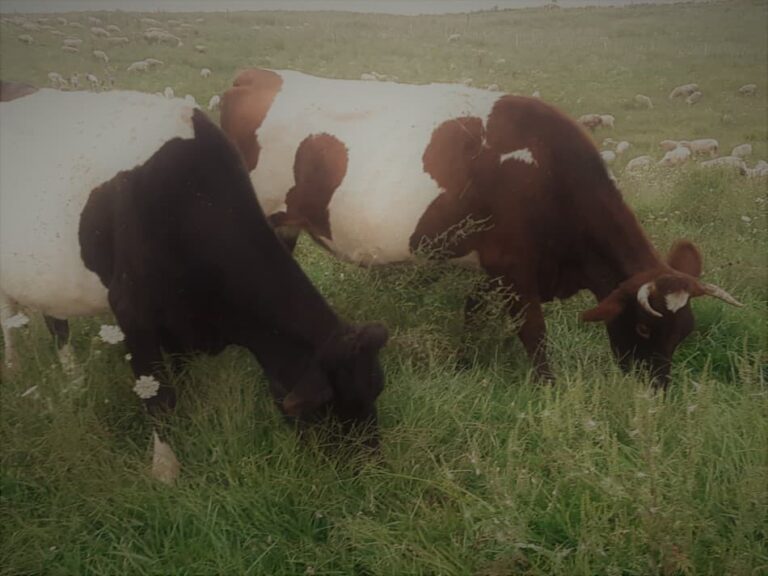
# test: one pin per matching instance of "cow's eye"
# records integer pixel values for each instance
(643, 331)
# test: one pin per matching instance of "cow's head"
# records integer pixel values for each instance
(649, 314)
(344, 379)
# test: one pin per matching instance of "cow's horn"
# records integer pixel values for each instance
(642, 298)
(717, 292)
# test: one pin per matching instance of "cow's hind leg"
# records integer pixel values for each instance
(59, 329)
(7, 311)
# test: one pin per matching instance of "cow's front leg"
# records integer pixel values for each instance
(152, 387)
(533, 335)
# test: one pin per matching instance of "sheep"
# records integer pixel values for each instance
(536, 94)
(608, 156)
(149, 22)
(668, 145)
(70, 49)
(214, 102)
(153, 62)
(61, 21)
(591, 121)
(607, 120)
(191, 99)
(75, 25)
(58, 33)
(74, 81)
(101, 55)
(492, 87)
(30, 27)
(466, 81)
(759, 170)
(93, 81)
(702, 146)
(140, 66)
(56, 80)
(200, 48)
(94, 20)
(100, 32)
(72, 42)
(747, 90)
(118, 40)
(684, 90)
(693, 98)
(205, 73)
(726, 162)
(643, 101)
(622, 147)
(676, 157)
(366, 76)
(639, 163)
(26, 38)
(609, 143)
(112, 28)
(168, 92)
(742, 150)
(454, 38)
(154, 35)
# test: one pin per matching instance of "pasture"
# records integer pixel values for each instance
(482, 470)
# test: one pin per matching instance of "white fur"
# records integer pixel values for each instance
(676, 300)
(46, 179)
(523, 155)
(386, 128)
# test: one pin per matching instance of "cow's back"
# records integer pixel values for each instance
(371, 137)
(55, 149)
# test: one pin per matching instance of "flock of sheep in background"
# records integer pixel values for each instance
(677, 152)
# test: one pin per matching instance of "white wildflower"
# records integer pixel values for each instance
(111, 334)
(146, 387)
(16, 321)
(128, 356)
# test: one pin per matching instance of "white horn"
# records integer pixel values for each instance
(717, 292)
(642, 298)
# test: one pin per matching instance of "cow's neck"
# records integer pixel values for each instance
(616, 248)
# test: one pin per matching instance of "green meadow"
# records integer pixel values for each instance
(482, 471)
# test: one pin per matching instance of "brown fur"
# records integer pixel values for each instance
(13, 90)
(244, 108)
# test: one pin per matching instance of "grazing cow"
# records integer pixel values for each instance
(145, 208)
(376, 171)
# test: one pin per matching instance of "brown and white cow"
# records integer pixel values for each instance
(376, 170)
(140, 204)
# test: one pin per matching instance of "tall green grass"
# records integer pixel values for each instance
(482, 470)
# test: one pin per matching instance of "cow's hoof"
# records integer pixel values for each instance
(165, 465)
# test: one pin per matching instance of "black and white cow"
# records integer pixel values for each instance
(139, 204)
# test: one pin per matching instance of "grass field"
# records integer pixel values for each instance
(483, 471)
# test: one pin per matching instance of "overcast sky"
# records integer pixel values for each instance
(380, 6)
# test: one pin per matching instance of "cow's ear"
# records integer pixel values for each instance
(608, 308)
(309, 394)
(686, 258)
(372, 336)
